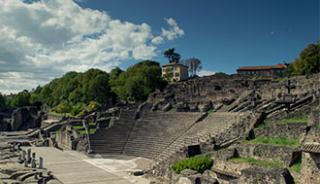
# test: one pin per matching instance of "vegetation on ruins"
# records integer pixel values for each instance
(307, 63)
(296, 119)
(77, 93)
(197, 163)
(281, 141)
(296, 166)
(257, 162)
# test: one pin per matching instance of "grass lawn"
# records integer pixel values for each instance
(282, 141)
(256, 162)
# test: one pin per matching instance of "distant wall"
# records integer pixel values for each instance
(291, 130)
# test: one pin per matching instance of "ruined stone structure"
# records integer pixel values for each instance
(212, 115)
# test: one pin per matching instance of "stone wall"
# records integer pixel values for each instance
(291, 130)
(234, 91)
(265, 176)
(310, 170)
(24, 118)
(281, 153)
(214, 89)
(302, 85)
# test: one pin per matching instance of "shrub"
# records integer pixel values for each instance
(198, 163)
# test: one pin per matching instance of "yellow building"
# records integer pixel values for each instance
(174, 72)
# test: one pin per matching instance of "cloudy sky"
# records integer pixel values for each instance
(41, 40)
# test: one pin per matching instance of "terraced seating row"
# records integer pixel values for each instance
(113, 139)
(154, 132)
(212, 126)
(146, 137)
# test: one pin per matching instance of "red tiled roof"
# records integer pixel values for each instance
(278, 66)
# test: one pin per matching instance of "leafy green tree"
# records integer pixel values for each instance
(172, 55)
(114, 73)
(63, 107)
(307, 63)
(21, 99)
(138, 81)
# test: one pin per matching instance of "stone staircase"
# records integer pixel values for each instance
(155, 131)
(203, 131)
(113, 139)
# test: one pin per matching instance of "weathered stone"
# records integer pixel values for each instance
(184, 180)
(167, 107)
(205, 107)
(266, 176)
(188, 172)
(24, 118)
(182, 107)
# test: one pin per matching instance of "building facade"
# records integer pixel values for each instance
(174, 72)
(264, 71)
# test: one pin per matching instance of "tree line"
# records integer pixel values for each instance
(77, 93)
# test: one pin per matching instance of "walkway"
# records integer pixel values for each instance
(71, 167)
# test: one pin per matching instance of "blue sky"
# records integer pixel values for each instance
(226, 34)
(43, 39)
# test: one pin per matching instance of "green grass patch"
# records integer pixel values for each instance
(210, 111)
(81, 132)
(256, 162)
(297, 119)
(92, 131)
(296, 167)
(92, 124)
(77, 127)
(261, 126)
(197, 163)
(282, 141)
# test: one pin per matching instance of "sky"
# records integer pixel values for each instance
(43, 39)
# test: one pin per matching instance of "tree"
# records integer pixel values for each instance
(172, 55)
(138, 81)
(307, 63)
(2, 102)
(194, 65)
(63, 107)
(21, 99)
(114, 73)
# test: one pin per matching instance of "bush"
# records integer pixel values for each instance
(197, 163)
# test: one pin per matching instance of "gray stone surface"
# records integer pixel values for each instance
(73, 168)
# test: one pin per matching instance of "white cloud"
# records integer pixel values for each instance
(174, 32)
(205, 73)
(47, 38)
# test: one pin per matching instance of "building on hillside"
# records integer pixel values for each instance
(175, 72)
(264, 71)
